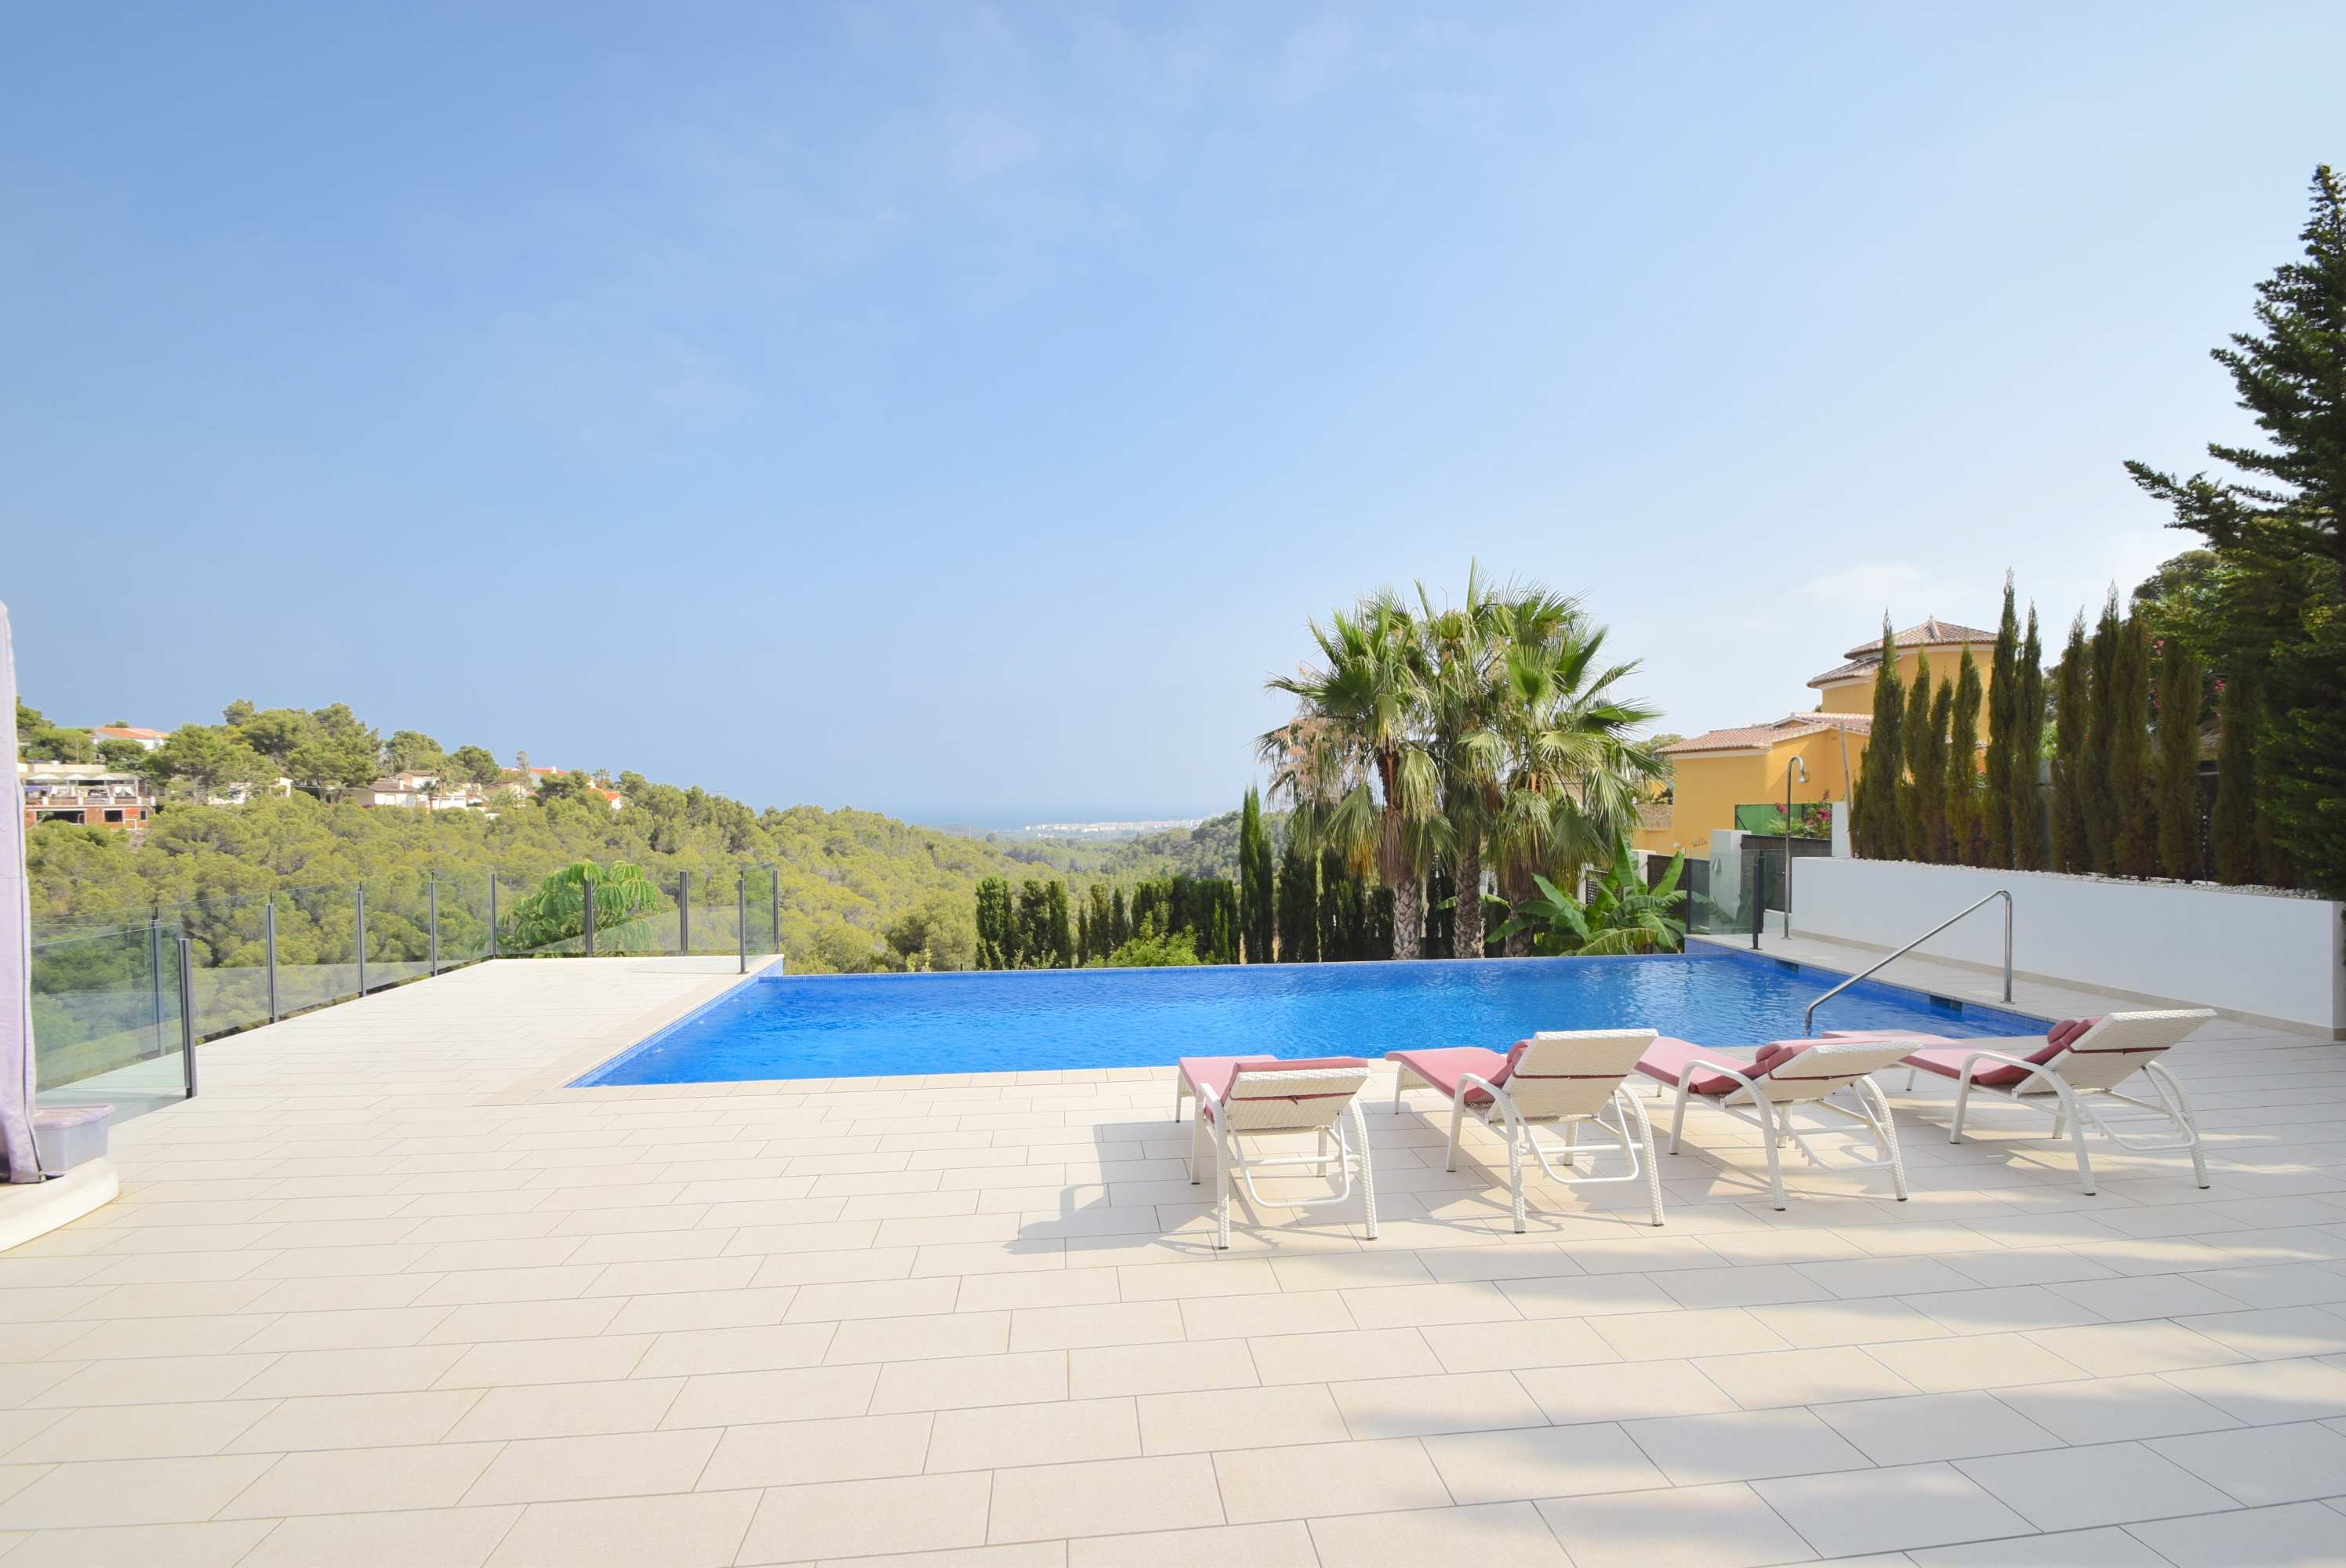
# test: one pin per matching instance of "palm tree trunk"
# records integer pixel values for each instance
(1467, 926)
(1409, 914)
(1519, 888)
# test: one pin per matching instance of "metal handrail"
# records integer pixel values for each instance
(1808, 1019)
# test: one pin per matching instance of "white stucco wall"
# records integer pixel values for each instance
(2258, 954)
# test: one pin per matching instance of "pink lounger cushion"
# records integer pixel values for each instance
(1947, 1061)
(1670, 1060)
(1217, 1073)
(1444, 1067)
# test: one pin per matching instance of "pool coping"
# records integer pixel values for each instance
(659, 1024)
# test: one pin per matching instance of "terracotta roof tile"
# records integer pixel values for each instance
(1796, 727)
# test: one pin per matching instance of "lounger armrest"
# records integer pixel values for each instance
(1742, 1074)
(2001, 1059)
(1470, 1081)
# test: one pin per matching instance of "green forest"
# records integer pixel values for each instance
(857, 891)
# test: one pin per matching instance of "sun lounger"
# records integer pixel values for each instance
(1566, 1079)
(1253, 1096)
(1785, 1077)
(2080, 1062)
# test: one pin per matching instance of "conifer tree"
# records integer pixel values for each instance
(2070, 847)
(2002, 712)
(2233, 828)
(1119, 925)
(1299, 903)
(2027, 747)
(2096, 779)
(2137, 846)
(1966, 815)
(2178, 762)
(993, 923)
(1914, 746)
(1880, 836)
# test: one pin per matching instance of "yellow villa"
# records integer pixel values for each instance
(1746, 766)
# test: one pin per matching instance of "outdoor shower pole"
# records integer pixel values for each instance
(361, 945)
(269, 941)
(741, 914)
(187, 1015)
(684, 914)
(432, 901)
(588, 883)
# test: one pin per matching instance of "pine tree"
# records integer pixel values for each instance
(2002, 712)
(2028, 747)
(1880, 836)
(1914, 746)
(1967, 810)
(2233, 828)
(2096, 779)
(2137, 847)
(2178, 762)
(2071, 846)
(993, 923)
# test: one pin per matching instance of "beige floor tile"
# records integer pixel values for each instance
(146, 1380)
(1060, 1287)
(1452, 1402)
(689, 1352)
(1185, 1368)
(486, 1322)
(1774, 1377)
(716, 1310)
(703, 1531)
(1928, 1427)
(1844, 1515)
(1540, 1461)
(1627, 1391)
(794, 1453)
(1246, 1317)
(137, 1431)
(364, 1480)
(567, 1410)
(2300, 1535)
(355, 1420)
(1286, 1544)
(1413, 1305)
(2119, 1350)
(572, 1469)
(865, 1518)
(966, 1382)
(1868, 1320)
(1683, 1527)
(1104, 1497)
(1120, 1323)
(130, 1492)
(513, 1361)
(151, 1337)
(369, 1328)
(1305, 1482)
(1335, 1357)
(2115, 1410)
(303, 1374)
(807, 1393)
(211, 1545)
(2267, 1391)
(1540, 1342)
(916, 1339)
(1173, 1281)
(2108, 1547)
(2260, 1466)
(1704, 1450)
(872, 1298)
(2077, 1488)
(1202, 1423)
(1496, 1535)
(1981, 1361)
(1063, 1433)
(1585, 1295)
(423, 1538)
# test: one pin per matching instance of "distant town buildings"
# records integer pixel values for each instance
(144, 739)
(89, 793)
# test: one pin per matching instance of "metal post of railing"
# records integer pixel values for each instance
(432, 919)
(187, 1015)
(269, 943)
(493, 914)
(684, 914)
(362, 938)
(774, 891)
(741, 914)
(1758, 898)
(155, 968)
(588, 883)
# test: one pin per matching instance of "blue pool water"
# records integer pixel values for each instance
(827, 1026)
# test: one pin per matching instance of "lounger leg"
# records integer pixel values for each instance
(1368, 1175)
(1910, 1079)
(1677, 1120)
(2078, 1139)
(1635, 1125)
(1221, 1190)
(2170, 1095)
(1515, 1170)
(1457, 1111)
(1177, 1086)
(1571, 1142)
(1197, 1131)
(1885, 1132)
(1775, 1158)
(1962, 1103)
(1400, 1077)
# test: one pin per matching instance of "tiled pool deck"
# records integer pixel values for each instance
(387, 1294)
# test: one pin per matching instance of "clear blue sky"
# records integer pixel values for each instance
(958, 410)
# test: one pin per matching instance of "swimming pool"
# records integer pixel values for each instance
(831, 1026)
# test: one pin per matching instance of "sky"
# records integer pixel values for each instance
(960, 410)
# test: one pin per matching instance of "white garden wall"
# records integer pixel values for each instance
(2267, 955)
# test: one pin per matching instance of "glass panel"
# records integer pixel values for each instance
(106, 1020)
(398, 930)
(317, 947)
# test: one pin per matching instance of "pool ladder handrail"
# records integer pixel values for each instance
(1808, 1019)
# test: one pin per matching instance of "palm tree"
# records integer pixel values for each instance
(1354, 764)
(1574, 771)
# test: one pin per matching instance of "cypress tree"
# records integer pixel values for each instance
(1880, 835)
(2071, 849)
(1914, 745)
(2028, 747)
(1931, 777)
(993, 921)
(2003, 713)
(2097, 781)
(2233, 828)
(1299, 903)
(2137, 847)
(1119, 925)
(1966, 812)
(2178, 762)
(1254, 881)
(1062, 934)
(1030, 927)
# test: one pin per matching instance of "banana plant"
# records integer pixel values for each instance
(1622, 914)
